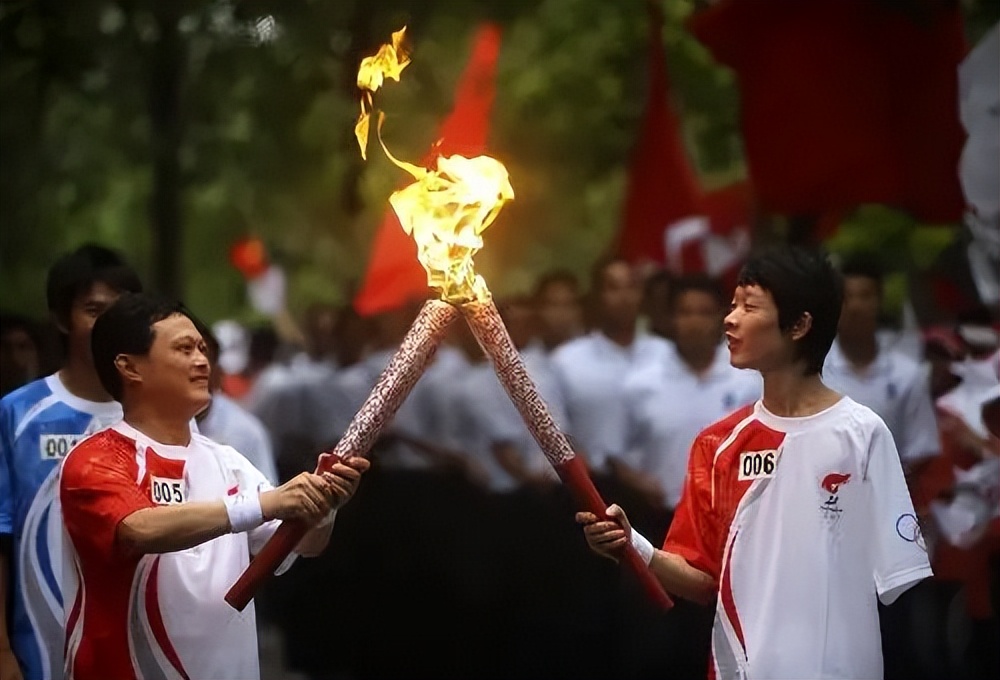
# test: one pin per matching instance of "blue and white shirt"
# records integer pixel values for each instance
(39, 424)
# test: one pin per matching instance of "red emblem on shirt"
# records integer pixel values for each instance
(833, 481)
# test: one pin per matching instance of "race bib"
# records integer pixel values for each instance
(56, 446)
(757, 464)
(166, 491)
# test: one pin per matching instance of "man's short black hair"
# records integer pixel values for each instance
(701, 283)
(863, 265)
(661, 277)
(555, 277)
(74, 273)
(601, 268)
(126, 327)
(800, 281)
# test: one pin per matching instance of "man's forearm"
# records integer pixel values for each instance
(172, 528)
(680, 578)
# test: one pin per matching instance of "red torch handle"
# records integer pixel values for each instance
(275, 551)
(573, 473)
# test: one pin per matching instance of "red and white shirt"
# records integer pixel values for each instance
(802, 522)
(159, 615)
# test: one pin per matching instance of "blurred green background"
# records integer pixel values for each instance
(171, 129)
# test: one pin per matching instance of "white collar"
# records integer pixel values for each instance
(100, 409)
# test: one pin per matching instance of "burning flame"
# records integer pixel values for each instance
(448, 207)
(388, 62)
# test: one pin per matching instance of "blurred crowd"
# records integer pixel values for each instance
(459, 556)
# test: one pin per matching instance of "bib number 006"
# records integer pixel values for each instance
(757, 464)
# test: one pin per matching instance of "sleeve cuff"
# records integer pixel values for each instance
(897, 584)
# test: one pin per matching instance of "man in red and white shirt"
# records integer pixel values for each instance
(794, 513)
(160, 522)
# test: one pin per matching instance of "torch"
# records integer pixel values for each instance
(392, 388)
(445, 210)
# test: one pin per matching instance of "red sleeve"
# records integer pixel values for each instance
(98, 490)
(694, 532)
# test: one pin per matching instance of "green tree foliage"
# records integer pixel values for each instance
(265, 109)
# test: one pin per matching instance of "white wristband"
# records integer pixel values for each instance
(244, 511)
(642, 546)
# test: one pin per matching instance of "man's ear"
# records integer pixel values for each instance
(128, 368)
(802, 326)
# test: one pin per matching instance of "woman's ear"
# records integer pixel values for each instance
(61, 325)
(802, 326)
(128, 368)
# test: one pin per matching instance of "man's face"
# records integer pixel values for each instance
(175, 373)
(697, 321)
(560, 315)
(752, 332)
(620, 295)
(859, 314)
(87, 306)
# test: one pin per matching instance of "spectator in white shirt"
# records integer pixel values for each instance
(558, 309)
(226, 422)
(884, 380)
(496, 434)
(656, 304)
(591, 370)
(693, 387)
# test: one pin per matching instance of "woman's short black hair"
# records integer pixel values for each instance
(75, 272)
(800, 281)
(126, 327)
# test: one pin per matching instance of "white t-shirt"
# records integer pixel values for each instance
(591, 371)
(898, 390)
(804, 523)
(159, 615)
(227, 423)
(668, 408)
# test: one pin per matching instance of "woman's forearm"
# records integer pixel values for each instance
(680, 578)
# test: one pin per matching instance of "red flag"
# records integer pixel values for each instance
(715, 241)
(662, 187)
(394, 276)
(846, 102)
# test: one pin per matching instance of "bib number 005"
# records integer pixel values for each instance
(167, 491)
